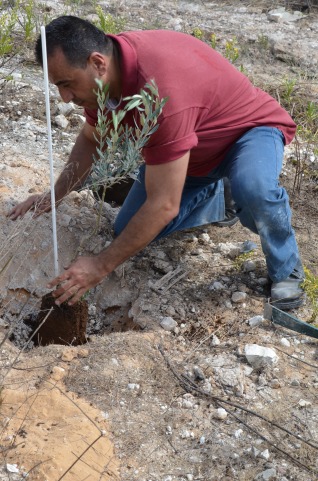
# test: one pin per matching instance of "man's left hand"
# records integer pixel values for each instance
(77, 279)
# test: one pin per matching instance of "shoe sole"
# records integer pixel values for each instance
(288, 304)
(226, 223)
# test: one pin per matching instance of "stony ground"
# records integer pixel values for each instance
(165, 388)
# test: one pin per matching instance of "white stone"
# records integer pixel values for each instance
(232, 250)
(205, 237)
(255, 452)
(215, 341)
(220, 413)
(303, 403)
(259, 356)
(187, 404)
(133, 386)
(280, 15)
(61, 121)
(265, 454)
(168, 324)
(185, 434)
(285, 342)
(255, 321)
(12, 468)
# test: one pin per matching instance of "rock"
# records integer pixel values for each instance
(168, 324)
(219, 413)
(260, 356)
(133, 386)
(248, 246)
(198, 373)
(64, 220)
(170, 311)
(303, 403)
(3, 323)
(83, 352)
(187, 404)
(230, 249)
(281, 15)
(65, 109)
(238, 297)
(215, 341)
(255, 452)
(12, 468)
(249, 265)
(68, 355)
(275, 384)
(225, 368)
(185, 434)
(207, 387)
(255, 321)
(266, 475)
(58, 373)
(217, 286)
(295, 383)
(61, 121)
(265, 454)
(205, 238)
(285, 342)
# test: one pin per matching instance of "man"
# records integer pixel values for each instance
(215, 125)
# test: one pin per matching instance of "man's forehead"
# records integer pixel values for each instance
(60, 71)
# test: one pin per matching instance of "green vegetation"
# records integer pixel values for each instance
(310, 286)
(197, 33)
(241, 258)
(232, 52)
(107, 23)
(119, 146)
(8, 21)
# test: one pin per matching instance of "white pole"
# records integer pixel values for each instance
(48, 119)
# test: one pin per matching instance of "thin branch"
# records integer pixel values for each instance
(79, 457)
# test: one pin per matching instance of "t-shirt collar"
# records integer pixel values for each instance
(128, 65)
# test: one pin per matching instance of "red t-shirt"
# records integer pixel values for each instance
(210, 103)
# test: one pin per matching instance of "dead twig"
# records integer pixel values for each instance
(80, 456)
(297, 358)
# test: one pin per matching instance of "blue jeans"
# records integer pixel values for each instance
(252, 165)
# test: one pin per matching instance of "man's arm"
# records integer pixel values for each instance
(164, 186)
(72, 176)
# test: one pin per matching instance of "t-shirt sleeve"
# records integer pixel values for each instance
(173, 139)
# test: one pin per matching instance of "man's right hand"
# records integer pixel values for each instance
(40, 203)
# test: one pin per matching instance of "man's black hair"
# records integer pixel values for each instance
(77, 38)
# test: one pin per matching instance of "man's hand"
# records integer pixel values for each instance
(40, 203)
(78, 278)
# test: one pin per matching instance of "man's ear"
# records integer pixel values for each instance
(99, 62)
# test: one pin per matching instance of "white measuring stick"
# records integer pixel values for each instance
(48, 119)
